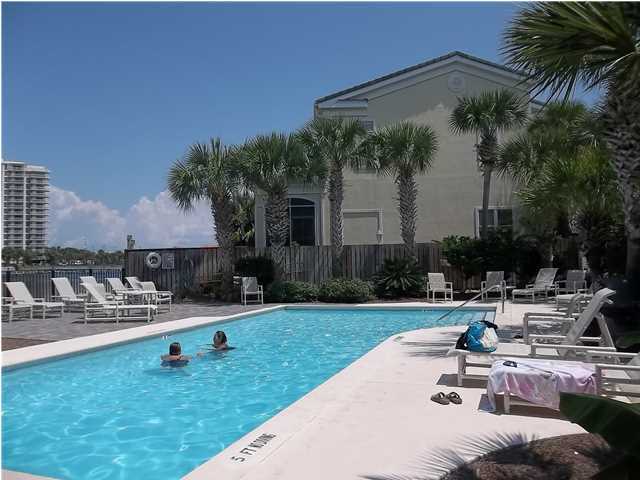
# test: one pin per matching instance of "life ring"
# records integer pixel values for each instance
(153, 260)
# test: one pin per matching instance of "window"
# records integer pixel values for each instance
(302, 218)
(499, 218)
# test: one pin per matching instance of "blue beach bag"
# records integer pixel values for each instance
(481, 336)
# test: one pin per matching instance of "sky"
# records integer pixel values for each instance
(108, 96)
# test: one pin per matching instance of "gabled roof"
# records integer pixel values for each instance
(417, 67)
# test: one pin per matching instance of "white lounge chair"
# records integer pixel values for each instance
(495, 282)
(99, 287)
(9, 304)
(619, 379)
(590, 312)
(574, 283)
(66, 293)
(100, 307)
(250, 288)
(543, 284)
(159, 297)
(437, 284)
(557, 346)
(21, 296)
(134, 283)
(574, 308)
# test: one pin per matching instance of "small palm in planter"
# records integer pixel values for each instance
(617, 422)
(400, 277)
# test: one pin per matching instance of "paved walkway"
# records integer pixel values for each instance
(25, 332)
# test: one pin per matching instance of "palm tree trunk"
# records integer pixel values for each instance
(336, 196)
(486, 191)
(407, 206)
(622, 132)
(487, 152)
(277, 217)
(222, 212)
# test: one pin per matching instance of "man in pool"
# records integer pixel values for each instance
(175, 357)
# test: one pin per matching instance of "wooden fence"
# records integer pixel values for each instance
(186, 268)
(38, 281)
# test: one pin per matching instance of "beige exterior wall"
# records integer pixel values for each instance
(449, 193)
(451, 190)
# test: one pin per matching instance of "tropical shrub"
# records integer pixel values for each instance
(499, 251)
(291, 292)
(462, 252)
(260, 267)
(343, 290)
(617, 422)
(400, 277)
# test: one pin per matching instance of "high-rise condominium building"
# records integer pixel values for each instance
(25, 205)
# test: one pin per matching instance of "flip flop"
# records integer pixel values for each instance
(454, 398)
(440, 398)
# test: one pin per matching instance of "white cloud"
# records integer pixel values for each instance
(154, 223)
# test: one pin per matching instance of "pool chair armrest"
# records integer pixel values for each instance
(549, 317)
(535, 347)
(39, 300)
(611, 366)
(63, 298)
(561, 338)
(8, 301)
(529, 285)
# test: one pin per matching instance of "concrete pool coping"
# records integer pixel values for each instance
(372, 416)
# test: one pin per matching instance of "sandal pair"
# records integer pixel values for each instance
(443, 399)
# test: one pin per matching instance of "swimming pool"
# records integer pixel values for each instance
(115, 413)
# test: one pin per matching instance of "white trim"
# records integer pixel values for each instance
(348, 104)
(417, 76)
(495, 208)
(376, 211)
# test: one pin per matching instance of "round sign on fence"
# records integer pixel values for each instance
(153, 260)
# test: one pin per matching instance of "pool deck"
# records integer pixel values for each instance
(373, 420)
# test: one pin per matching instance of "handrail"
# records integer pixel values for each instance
(482, 292)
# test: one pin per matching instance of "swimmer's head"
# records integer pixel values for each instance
(175, 349)
(219, 338)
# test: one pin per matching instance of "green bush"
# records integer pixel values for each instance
(260, 267)
(291, 292)
(499, 251)
(343, 290)
(400, 277)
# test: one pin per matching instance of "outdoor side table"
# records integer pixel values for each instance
(538, 382)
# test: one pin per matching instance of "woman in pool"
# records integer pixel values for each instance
(175, 357)
(219, 343)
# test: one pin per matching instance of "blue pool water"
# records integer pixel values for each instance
(116, 414)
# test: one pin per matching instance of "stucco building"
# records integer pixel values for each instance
(450, 194)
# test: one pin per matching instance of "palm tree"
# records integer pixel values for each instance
(560, 165)
(563, 179)
(404, 150)
(244, 203)
(335, 142)
(487, 115)
(560, 45)
(269, 163)
(205, 172)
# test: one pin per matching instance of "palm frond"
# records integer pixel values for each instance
(560, 45)
(487, 113)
